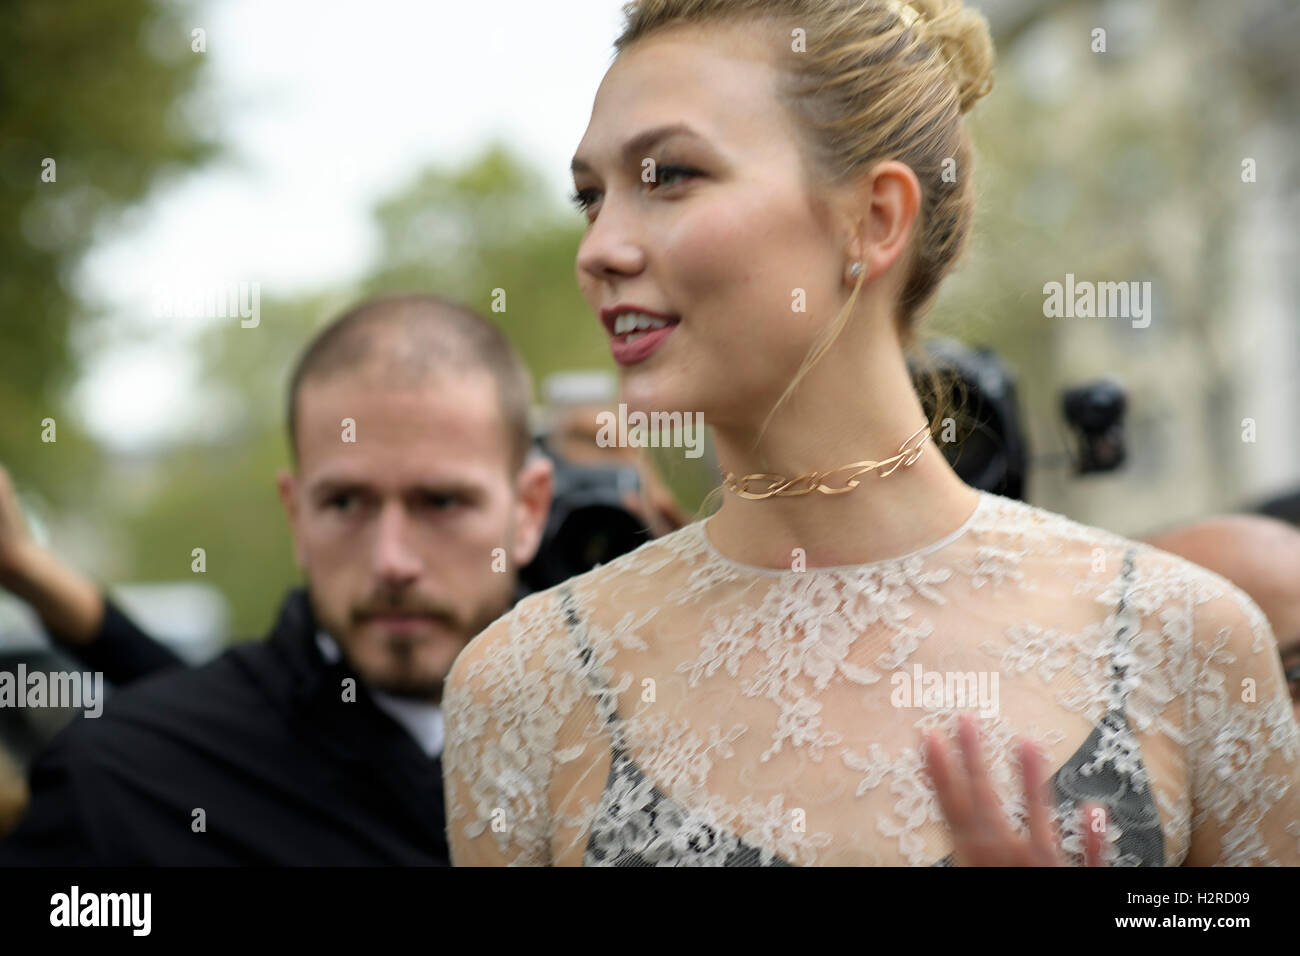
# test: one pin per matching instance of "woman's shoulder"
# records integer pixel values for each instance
(523, 631)
(648, 561)
(1035, 526)
(1153, 581)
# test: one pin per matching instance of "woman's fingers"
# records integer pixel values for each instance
(953, 792)
(1043, 835)
(1096, 826)
(952, 797)
(981, 834)
(986, 809)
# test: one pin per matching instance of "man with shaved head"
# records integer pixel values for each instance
(1262, 557)
(409, 424)
(412, 503)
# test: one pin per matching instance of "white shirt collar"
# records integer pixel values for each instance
(422, 721)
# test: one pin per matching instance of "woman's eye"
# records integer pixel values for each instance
(671, 172)
(583, 198)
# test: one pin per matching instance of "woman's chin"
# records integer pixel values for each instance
(645, 392)
(677, 397)
(663, 402)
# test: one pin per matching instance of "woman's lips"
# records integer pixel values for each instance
(643, 344)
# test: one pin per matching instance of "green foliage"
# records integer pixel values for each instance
(220, 498)
(464, 233)
(77, 87)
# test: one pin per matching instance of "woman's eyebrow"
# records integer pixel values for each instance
(640, 144)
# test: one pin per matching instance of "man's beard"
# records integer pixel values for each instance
(409, 686)
(398, 676)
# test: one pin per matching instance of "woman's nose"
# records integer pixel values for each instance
(612, 246)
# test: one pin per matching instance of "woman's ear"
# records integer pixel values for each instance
(881, 209)
(894, 202)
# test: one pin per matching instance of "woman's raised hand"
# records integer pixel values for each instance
(981, 834)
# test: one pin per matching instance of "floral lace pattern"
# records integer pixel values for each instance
(674, 707)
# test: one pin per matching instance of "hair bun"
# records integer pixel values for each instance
(961, 35)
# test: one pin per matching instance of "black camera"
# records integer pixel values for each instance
(980, 433)
(1095, 413)
(588, 523)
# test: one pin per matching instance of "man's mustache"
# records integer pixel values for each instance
(413, 605)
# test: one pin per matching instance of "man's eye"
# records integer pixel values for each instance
(440, 502)
(346, 502)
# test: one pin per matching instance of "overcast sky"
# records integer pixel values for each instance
(324, 108)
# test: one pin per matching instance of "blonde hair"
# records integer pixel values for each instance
(875, 80)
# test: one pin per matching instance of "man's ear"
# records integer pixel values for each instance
(286, 486)
(534, 489)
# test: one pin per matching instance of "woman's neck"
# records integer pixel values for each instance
(824, 426)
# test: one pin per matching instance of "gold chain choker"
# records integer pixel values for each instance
(780, 486)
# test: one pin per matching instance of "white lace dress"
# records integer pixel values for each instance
(674, 707)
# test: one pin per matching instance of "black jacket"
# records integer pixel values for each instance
(261, 740)
(120, 649)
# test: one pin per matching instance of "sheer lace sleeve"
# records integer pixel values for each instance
(503, 714)
(530, 710)
(1244, 751)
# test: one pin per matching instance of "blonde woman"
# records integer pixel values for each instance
(774, 190)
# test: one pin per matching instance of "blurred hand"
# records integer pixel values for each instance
(15, 537)
(13, 793)
(68, 603)
(981, 834)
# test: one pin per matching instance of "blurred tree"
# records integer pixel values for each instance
(87, 121)
(466, 233)
(220, 497)
(217, 491)
(1125, 165)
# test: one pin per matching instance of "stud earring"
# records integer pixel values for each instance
(855, 270)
